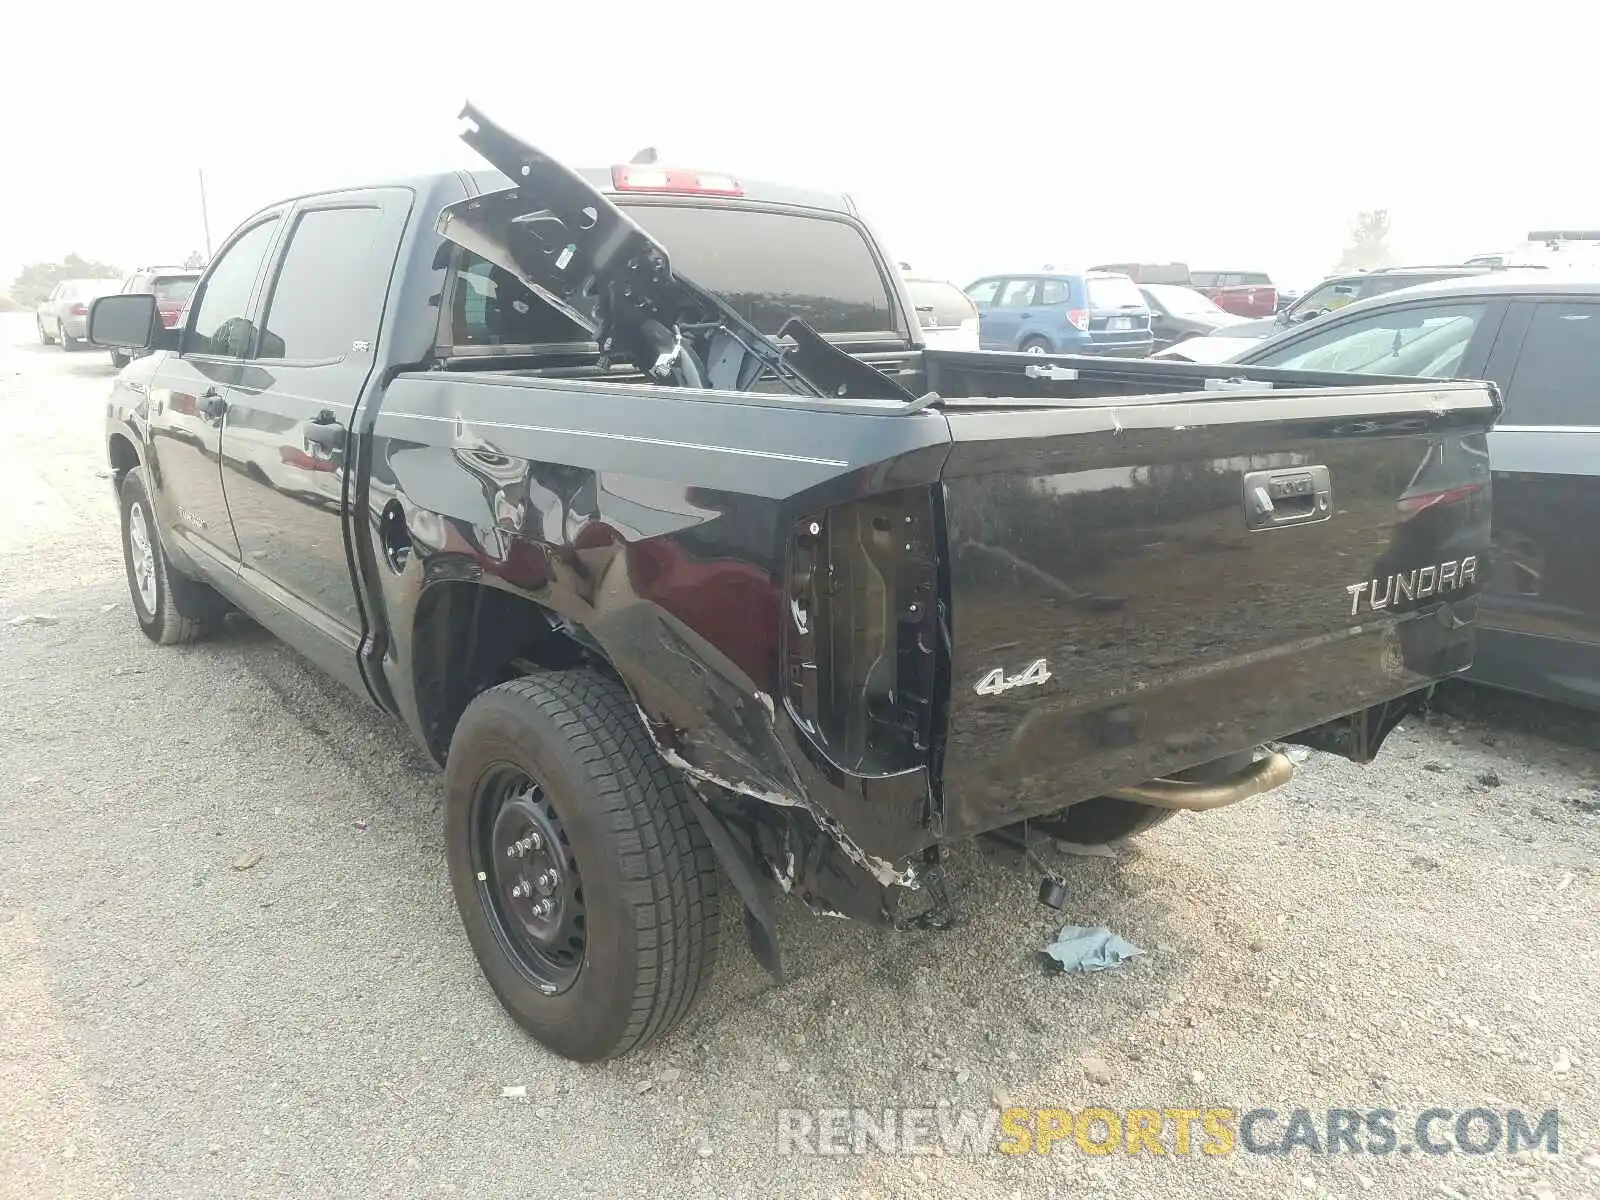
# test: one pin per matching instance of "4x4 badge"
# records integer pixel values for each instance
(997, 681)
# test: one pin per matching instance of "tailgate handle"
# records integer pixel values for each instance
(1290, 496)
(1050, 371)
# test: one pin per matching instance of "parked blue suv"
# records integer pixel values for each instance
(1090, 312)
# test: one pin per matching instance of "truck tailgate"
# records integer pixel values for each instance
(1140, 586)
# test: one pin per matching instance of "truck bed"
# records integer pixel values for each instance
(1088, 516)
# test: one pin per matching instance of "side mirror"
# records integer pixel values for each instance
(127, 322)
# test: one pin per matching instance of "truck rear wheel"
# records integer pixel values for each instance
(586, 885)
(170, 607)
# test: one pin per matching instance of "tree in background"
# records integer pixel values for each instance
(36, 281)
(1369, 243)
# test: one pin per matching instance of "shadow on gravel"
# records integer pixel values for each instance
(967, 995)
(1519, 714)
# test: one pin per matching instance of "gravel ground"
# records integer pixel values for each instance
(179, 1016)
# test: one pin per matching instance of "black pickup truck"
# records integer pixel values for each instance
(637, 496)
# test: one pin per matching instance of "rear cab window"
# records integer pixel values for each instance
(771, 265)
(768, 265)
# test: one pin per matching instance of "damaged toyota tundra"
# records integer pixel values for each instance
(636, 495)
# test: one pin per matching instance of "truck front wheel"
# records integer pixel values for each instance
(170, 607)
(586, 885)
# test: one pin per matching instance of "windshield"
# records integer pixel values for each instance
(1182, 301)
(1113, 291)
(940, 305)
(1425, 343)
(770, 266)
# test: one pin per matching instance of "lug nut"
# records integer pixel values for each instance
(519, 890)
(547, 881)
(542, 909)
(535, 842)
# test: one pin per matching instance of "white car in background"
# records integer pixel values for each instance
(1218, 349)
(948, 318)
(64, 315)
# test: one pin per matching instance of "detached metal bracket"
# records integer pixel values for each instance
(1050, 371)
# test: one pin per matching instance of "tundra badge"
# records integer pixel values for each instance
(997, 681)
(1417, 584)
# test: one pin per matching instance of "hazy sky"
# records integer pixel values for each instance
(976, 136)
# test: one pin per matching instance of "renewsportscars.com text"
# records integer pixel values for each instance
(1177, 1132)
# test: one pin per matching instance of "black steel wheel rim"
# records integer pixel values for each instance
(527, 878)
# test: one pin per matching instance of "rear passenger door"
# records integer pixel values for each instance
(1545, 453)
(1002, 325)
(284, 439)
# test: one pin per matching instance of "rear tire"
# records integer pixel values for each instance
(565, 753)
(120, 360)
(68, 343)
(1036, 346)
(44, 338)
(170, 608)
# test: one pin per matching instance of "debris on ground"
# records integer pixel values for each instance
(1082, 851)
(247, 860)
(515, 1091)
(34, 619)
(1085, 948)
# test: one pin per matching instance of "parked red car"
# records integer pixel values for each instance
(1247, 293)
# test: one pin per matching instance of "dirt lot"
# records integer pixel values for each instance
(180, 1017)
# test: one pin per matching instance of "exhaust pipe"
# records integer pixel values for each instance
(1263, 775)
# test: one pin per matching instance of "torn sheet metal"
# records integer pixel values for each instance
(883, 872)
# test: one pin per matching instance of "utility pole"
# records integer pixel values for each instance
(205, 216)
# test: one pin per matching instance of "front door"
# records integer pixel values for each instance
(284, 440)
(189, 394)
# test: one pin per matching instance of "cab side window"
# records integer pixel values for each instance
(1557, 377)
(221, 324)
(329, 291)
(491, 307)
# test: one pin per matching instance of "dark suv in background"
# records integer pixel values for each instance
(1048, 312)
(1538, 337)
